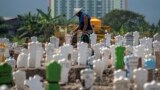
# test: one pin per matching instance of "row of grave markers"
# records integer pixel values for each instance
(53, 76)
(31, 57)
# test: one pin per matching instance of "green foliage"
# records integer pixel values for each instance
(36, 25)
(122, 30)
(1, 20)
(129, 20)
(16, 39)
(158, 27)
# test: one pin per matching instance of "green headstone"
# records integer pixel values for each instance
(52, 86)
(119, 60)
(5, 74)
(53, 74)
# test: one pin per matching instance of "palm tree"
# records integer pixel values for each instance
(28, 25)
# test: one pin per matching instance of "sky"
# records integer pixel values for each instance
(149, 8)
(10, 8)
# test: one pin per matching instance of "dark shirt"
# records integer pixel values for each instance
(81, 21)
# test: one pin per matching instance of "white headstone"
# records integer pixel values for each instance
(128, 39)
(140, 77)
(119, 40)
(121, 84)
(119, 73)
(74, 56)
(54, 40)
(87, 76)
(19, 77)
(65, 50)
(35, 53)
(157, 37)
(39, 55)
(93, 38)
(34, 39)
(108, 39)
(22, 59)
(156, 45)
(150, 56)
(68, 39)
(4, 87)
(34, 83)
(99, 67)
(106, 55)
(112, 49)
(149, 45)
(49, 48)
(136, 38)
(57, 57)
(65, 67)
(97, 50)
(83, 53)
(129, 49)
(139, 51)
(7, 55)
(91, 59)
(152, 86)
(131, 62)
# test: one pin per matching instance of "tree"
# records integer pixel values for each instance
(131, 21)
(1, 20)
(158, 26)
(28, 25)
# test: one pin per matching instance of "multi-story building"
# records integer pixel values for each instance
(97, 8)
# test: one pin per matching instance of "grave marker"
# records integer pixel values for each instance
(119, 40)
(35, 53)
(156, 45)
(12, 62)
(136, 38)
(99, 67)
(93, 38)
(108, 39)
(68, 39)
(87, 77)
(65, 67)
(34, 83)
(49, 48)
(55, 41)
(121, 84)
(131, 63)
(53, 75)
(105, 52)
(129, 39)
(22, 59)
(65, 50)
(157, 37)
(119, 60)
(157, 55)
(19, 78)
(82, 53)
(5, 74)
(152, 86)
(140, 77)
(119, 73)
(97, 52)
(150, 65)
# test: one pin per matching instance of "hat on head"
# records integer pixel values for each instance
(76, 10)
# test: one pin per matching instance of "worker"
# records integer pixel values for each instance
(84, 25)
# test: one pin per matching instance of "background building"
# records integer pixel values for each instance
(97, 8)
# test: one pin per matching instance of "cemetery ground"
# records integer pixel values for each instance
(130, 63)
(74, 78)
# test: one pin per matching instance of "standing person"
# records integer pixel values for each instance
(84, 25)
